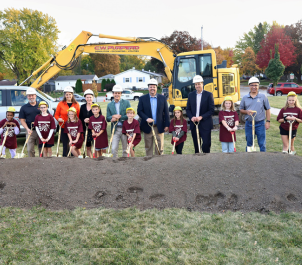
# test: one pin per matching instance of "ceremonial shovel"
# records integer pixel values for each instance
(18, 155)
(111, 138)
(4, 140)
(155, 140)
(253, 148)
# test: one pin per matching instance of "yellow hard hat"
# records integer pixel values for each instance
(95, 105)
(43, 103)
(177, 108)
(72, 109)
(228, 98)
(11, 109)
(130, 109)
(292, 94)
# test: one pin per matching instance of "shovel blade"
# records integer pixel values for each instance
(253, 149)
(107, 155)
(18, 155)
(81, 157)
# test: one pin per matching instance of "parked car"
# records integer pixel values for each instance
(165, 92)
(126, 94)
(284, 88)
(15, 96)
(78, 98)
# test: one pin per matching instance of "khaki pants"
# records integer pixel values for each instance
(149, 142)
(34, 139)
(116, 140)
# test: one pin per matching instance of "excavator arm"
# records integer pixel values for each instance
(67, 58)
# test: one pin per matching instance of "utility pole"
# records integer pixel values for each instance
(201, 38)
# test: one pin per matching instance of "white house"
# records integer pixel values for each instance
(109, 76)
(70, 80)
(136, 78)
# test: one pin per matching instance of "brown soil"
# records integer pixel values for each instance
(213, 182)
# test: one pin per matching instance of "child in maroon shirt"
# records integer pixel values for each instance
(291, 112)
(229, 120)
(13, 127)
(45, 126)
(132, 130)
(98, 125)
(74, 129)
(178, 128)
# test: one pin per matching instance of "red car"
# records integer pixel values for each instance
(284, 88)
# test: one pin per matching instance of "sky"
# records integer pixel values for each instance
(224, 22)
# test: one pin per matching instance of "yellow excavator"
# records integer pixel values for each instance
(179, 68)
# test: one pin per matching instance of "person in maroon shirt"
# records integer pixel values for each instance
(229, 120)
(131, 130)
(45, 126)
(291, 112)
(178, 128)
(13, 127)
(74, 129)
(98, 126)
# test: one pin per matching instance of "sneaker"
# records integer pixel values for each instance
(292, 152)
(284, 152)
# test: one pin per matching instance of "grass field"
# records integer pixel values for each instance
(279, 102)
(170, 236)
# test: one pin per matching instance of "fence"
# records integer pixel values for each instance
(89, 86)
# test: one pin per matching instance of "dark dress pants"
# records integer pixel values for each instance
(65, 141)
(205, 136)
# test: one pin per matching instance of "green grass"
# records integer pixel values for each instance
(274, 143)
(130, 236)
(279, 102)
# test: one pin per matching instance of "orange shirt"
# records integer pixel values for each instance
(62, 111)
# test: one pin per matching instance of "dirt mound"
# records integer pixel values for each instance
(213, 182)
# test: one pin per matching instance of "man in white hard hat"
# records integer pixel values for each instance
(27, 115)
(116, 113)
(255, 101)
(153, 110)
(200, 108)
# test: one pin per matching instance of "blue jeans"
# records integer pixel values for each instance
(227, 147)
(259, 131)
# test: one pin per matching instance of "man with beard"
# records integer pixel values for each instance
(153, 110)
(27, 115)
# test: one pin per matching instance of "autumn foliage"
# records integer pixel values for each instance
(248, 59)
(286, 48)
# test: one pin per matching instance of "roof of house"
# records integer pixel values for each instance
(107, 76)
(7, 82)
(76, 77)
(143, 71)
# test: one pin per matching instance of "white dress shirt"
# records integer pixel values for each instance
(198, 101)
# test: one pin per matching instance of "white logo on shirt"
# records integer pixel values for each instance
(44, 125)
(73, 131)
(97, 126)
(11, 132)
(178, 129)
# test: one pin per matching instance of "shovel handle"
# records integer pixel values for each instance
(42, 149)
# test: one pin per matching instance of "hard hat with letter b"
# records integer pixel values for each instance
(68, 89)
(31, 91)
(153, 81)
(197, 79)
(88, 92)
(254, 79)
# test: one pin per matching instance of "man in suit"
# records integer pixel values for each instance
(116, 112)
(153, 109)
(200, 108)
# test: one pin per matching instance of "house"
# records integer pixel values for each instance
(109, 76)
(70, 80)
(134, 78)
(6, 82)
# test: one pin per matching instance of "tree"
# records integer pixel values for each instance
(248, 62)
(105, 64)
(295, 33)
(1, 76)
(87, 65)
(251, 39)
(27, 39)
(275, 68)
(103, 84)
(79, 86)
(224, 54)
(148, 66)
(130, 61)
(94, 88)
(286, 48)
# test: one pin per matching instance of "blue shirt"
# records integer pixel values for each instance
(153, 103)
(117, 107)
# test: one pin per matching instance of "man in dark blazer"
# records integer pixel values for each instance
(200, 108)
(153, 109)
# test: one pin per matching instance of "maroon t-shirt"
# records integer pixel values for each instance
(230, 117)
(131, 128)
(11, 139)
(296, 112)
(178, 128)
(73, 128)
(98, 124)
(45, 124)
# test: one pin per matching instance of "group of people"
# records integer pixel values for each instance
(77, 122)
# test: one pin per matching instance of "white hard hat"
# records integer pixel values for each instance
(88, 92)
(197, 79)
(68, 89)
(254, 80)
(117, 88)
(153, 81)
(31, 91)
